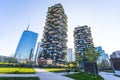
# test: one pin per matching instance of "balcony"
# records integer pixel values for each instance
(52, 32)
(58, 37)
(46, 43)
(59, 46)
(56, 42)
(45, 31)
(51, 48)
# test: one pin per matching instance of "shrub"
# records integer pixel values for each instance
(17, 70)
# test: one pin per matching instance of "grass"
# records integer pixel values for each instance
(55, 69)
(17, 70)
(19, 78)
(5, 63)
(84, 76)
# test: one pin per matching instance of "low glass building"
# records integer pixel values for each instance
(103, 61)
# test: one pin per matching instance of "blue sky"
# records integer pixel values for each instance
(103, 16)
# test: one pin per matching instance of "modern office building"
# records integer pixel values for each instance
(55, 35)
(103, 61)
(115, 54)
(82, 39)
(115, 61)
(103, 55)
(26, 46)
(70, 55)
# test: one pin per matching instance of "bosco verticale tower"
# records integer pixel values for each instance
(82, 39)
(55, 35)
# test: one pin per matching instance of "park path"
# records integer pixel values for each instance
(108, 76)
(45, 75)
(42, 74)
(18, 75)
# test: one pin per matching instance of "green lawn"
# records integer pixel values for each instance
(19, 78)
(84, 76)
(55, 69)
(5, 63)
(17, 70)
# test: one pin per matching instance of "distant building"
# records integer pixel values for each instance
(82, 39)
(103, 55)
(3, 58)
(7, 59)
(115, 60)
(70, 55)
(115, 54)
(26, 46)
(115, 63)
(38, 52)
(103, 61)
(54, 42)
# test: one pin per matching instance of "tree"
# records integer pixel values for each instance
(92, 56)
(79, 59)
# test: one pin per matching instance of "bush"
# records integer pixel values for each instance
(17, 70)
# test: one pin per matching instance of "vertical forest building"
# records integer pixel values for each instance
(82, 42)
(55, 35)
(82, 39)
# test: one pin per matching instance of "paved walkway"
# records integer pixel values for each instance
(44, 75)
(18, 75)
(109, 76)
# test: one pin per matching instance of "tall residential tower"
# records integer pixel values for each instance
(55, 35)
(82, 39)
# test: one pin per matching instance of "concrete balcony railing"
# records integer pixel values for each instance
(55, 41)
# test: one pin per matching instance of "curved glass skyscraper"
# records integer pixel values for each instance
(26, 46)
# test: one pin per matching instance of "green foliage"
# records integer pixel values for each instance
(72, 64)
(92, 55)
(19, 78)
(84, 76)
(17, 70)
(79, 58)
(8, 59)
(5, 63)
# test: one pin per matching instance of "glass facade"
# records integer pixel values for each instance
(103, 55)
(38, 52)
(103, 61)
(26, 46)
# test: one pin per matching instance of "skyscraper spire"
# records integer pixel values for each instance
(28, 26)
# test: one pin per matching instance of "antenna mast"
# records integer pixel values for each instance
(28, 26)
